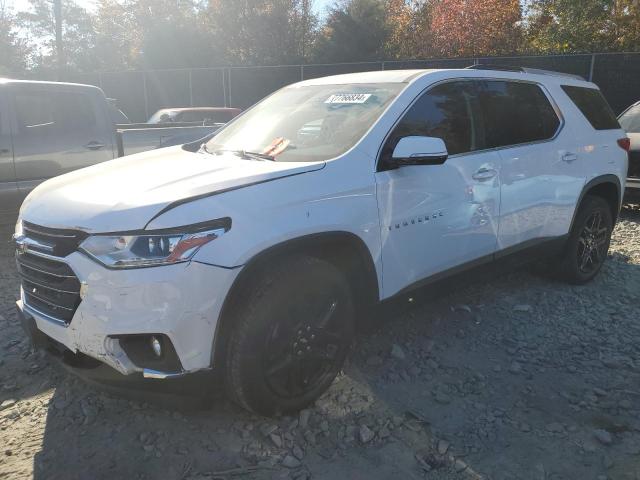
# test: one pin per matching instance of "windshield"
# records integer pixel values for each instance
(630, 120)
(307, 123)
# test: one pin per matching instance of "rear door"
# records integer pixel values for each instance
(57, 129)
(539, 186)
(9, 198)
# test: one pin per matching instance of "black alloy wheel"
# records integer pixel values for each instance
(292, 332)
(588, 242)
(299, 355)
(593, 243)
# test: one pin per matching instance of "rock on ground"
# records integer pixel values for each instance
(525, 377)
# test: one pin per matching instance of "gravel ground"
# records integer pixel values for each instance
(517, 377)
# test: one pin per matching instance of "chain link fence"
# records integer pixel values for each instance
(141, 93)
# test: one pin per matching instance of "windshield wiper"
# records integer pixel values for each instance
(263, 156)
(247, 154)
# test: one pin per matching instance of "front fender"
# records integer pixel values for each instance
(337, 198)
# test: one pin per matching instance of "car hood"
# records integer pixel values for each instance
(124, 194)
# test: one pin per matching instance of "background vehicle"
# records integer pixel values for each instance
(259, 251)
(117, 116)
(206, 115)
(47, 129)
(630, 122)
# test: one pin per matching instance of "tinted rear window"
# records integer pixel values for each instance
(515, 113)
(593, 106)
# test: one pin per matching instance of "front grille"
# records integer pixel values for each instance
(50, 286)
(61, 242)
(634, 164)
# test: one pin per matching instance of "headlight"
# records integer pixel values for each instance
(148, 249)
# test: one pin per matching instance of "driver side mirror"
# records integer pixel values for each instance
(418, 150)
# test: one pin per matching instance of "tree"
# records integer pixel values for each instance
(116, 43)
(567, 26)
(12, 49)
(626, 19)
(402, 39)
(170, 34)
(151, 34)
(355, 30)
(77, 32)
(476, 27)
(262, 31)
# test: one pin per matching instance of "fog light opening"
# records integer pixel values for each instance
(150, 350)
(156, 346)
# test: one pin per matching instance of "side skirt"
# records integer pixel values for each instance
(489, 266)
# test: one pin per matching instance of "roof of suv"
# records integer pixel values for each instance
(376, 76)
(406, 76)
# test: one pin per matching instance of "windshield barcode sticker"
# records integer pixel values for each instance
(348, 98)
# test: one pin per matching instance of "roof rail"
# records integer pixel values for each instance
(492, 66)
(534, 71)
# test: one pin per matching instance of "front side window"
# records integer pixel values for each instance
(476, 115)
(515, 113)
(630, 120)
(307, 123)
(447, 111)
(34, 110)
(39, 112)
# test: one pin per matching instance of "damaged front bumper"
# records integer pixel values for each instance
(173, 390)
(121, 310)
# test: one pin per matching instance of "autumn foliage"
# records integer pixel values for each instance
(475, 27)
(165, 34)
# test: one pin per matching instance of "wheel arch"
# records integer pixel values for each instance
(605, 186)
(345, 250)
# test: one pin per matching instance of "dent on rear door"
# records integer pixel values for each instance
(540, 179)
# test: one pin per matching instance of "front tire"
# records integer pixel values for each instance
(588, 242)
(291, 336)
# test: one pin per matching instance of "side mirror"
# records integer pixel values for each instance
(417, 150)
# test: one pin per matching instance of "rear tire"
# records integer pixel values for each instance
(588, 242)
(291, 336)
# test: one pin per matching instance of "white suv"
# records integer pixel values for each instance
(257, 251)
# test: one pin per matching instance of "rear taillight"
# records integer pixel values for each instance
(625, 143)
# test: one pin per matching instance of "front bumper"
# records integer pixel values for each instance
(191, 391)
(180, 301)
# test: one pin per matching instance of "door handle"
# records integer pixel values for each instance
(484, 174)
(94, 145)
(569, 157)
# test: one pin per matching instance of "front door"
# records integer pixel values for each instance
(56, 131)
(436, 217)
(9, 198)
